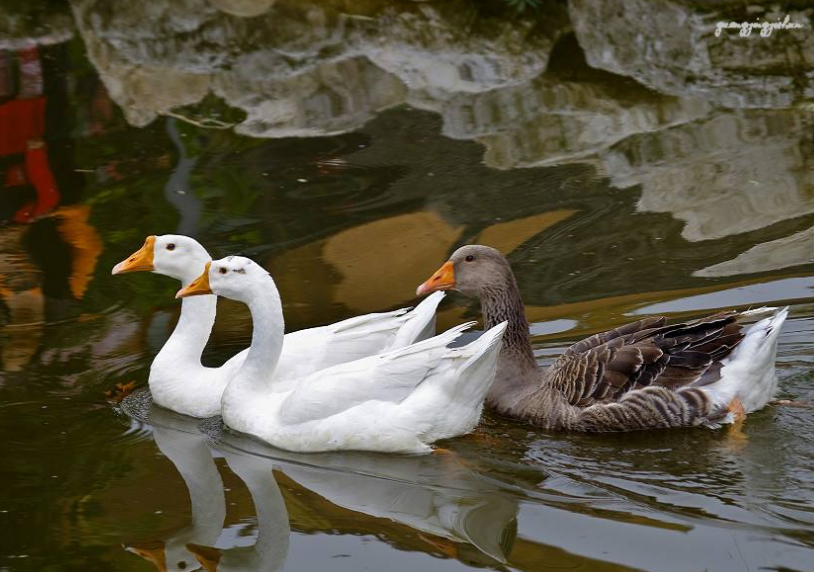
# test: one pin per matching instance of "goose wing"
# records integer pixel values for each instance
(391, 377)
(315, 349)
(646, 353)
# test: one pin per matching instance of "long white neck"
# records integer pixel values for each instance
(188, 340)
(267, 335)
(272, 520)
(191, 456)
(274, 530)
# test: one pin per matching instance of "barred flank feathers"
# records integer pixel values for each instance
(651, 408)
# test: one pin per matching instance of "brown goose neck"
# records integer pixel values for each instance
(503, 303)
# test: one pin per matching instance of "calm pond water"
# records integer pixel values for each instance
(626, 159)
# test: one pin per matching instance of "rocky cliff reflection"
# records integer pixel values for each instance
(726, 174)
(784, 252)
(671, 46)
(518, 85)
(305, 68)
(346, 60)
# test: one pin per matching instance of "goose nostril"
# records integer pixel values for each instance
(436, 278)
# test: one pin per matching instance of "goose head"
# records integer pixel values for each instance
(233, 277)
(166, 557)
(208, 557)
(472, 270)
(173, 255)
(152, 552)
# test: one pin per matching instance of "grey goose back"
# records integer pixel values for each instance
(644, 375)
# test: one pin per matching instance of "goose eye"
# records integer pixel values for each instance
(171, 246)
(222, 270)
(470, 258)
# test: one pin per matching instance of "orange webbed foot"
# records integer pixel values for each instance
(121, 391)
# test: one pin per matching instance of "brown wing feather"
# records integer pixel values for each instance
(604, 367)
(602, 338)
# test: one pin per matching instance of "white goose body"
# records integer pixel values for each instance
(179, 381)
(398, 401)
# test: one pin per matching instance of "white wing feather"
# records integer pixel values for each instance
(387, 377)
(312, 350)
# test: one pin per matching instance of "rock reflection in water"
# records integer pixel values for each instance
(27, 24)
(305, 68)
(728, 174)
(794, 250)
(318, 69)
(670, 46)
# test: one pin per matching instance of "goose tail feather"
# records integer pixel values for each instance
(748, 373)
(478, 372)
(419, 323)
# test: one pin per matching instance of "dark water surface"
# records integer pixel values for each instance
(626, 159)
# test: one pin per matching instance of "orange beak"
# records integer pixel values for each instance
(207, 556)
(139, 261)
(150, 551)
(443, 279)
(197, 287)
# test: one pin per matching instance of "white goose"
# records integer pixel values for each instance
(179, 381)
(399, 401)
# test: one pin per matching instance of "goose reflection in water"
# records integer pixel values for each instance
(449, 505)
(455, 511)
(178, 438)
(270, 550)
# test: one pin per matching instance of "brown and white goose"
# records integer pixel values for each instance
(644, 375)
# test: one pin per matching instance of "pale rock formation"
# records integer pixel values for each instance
(243, 8)
(332, 98)
(448, 48)
(305, 69)
(729, 174)
(794, 250)
(25, 25)
(551, 121)
(670, 46)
